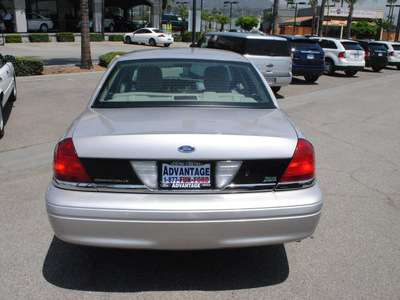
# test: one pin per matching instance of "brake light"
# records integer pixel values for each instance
(391, 53)
(291, 55)
(302, 165)
(367, 54)
(67, 166)
(342, 55)
(161, 35)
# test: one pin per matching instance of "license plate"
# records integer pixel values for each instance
(185, 175)
(271, 80)
(310, 56)
(356, 55)
(380, 54)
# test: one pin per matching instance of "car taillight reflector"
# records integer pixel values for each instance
(67, 166)
(367, 54)
(302, 165)
(342, 55)
(391, 53)
(161, 35)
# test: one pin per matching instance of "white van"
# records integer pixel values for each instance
(270, 54)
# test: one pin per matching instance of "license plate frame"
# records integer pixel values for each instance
(186, 175)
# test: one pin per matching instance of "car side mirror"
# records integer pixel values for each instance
(9, 58)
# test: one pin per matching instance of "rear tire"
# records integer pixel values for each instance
(275, 89)
(398, 67)
(152, 42)
(350, 73)
(311, 78)
(128, 40)
(376, 69)
(329, 67)
(1, 121)
(167, 45)
(44, 28)
(13, 96)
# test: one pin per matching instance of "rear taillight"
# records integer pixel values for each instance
(367, 54)
(302, 165)
(391, 53)
(67, 166)
(161, 35)
(291, 55)
(342, 55)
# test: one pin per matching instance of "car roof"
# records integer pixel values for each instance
(185, 53)
(296, 38)
(249, 35)
(333, 39)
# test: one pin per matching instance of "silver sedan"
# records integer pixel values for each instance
(183, 149)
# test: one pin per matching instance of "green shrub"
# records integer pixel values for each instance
(65, 37)
(27, 66)
(13, 38)
(177, 38)
(96, 37)
(116, 38)
(39, 38)
(105, 59)
(187, 36)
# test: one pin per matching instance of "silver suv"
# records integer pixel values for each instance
(342, 55)
(270, 54)
(393, 49)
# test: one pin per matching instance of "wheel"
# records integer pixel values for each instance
(311, 78)
(329, 67)
(111, 27)
(350, 73)
(152, 42)
(376, 69)
(1, 121)
(398, 67)
(128, 40)
(44, 28)
(275, 89)
(13, 96)
(167, 45)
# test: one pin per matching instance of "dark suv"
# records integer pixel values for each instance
(177, 22)
(376, 54)
(307, 58)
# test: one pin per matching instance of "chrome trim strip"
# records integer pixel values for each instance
(295, 185)
(122, 188)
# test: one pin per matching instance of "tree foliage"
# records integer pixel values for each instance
(363, 30)
(222, 20)
(246, 23)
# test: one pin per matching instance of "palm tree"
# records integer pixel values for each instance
(350, 17)
(275, 23)
(321, 17)
(86, 58)
(314, 4)
(269, 17)
(391, 10)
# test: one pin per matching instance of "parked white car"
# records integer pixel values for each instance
(8, 87)
(342, 55)
(37, 22)
(151, 36)
(393, 53)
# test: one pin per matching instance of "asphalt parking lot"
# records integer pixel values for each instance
(354, 254)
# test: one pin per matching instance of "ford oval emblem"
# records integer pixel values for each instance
(186, 149)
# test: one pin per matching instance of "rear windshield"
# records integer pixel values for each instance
(169, 82)
(352, 46)
(305, 45)
(267, 47)
(377, 47)
(396, 47)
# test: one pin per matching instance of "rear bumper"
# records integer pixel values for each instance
(301, 71)
(378, 64)
(177, 221)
